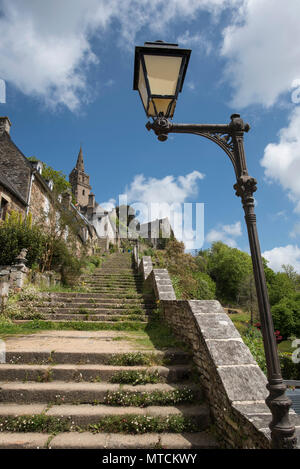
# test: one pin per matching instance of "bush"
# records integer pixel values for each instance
(205, 288)
(289, 369)
(286, 316)
(64, 261)
(253, 339)
(17, 234)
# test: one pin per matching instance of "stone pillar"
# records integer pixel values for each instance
(19, 271)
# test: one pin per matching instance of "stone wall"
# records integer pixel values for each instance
(46, 279)
(233, 383)
(39, 202)
(14, 204)
(16, 275)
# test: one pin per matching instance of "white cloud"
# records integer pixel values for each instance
(225, 233)
(262, 47)
(295, 231)
(283, 255)
(167, 190)
(282, 160)
(154, 198)
(190, 85)
(109, 205)
(45, 47)
(198, 40)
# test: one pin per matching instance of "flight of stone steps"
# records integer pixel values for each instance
(70, 388)
(114, 295)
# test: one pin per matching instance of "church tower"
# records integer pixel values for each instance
(80, 182)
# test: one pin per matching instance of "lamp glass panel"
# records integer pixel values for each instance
(162, 105)
(142, 87)
(163, 73)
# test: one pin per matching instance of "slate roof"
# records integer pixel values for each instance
(4, 181)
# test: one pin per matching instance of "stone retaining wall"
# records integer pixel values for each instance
(233, 383)
(16, 275)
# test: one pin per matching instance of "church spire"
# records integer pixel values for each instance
(79, 164)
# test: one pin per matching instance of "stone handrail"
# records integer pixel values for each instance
(233, 383)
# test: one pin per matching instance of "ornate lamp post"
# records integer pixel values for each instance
(159, 74)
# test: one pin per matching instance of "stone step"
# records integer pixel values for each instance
(104, 304)
(86, 440)
(173, 357)
(105, 318)
(83, 392)
(68, 372)
(98, 295)
(115, 291)
(116, 285)
(97, 301)
(86, 414)
(116, 276)
(90, 310)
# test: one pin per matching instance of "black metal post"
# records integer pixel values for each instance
(230, 138)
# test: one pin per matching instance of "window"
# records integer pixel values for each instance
(83, 192)
(3, 208)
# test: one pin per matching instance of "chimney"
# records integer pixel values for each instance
(5, 125)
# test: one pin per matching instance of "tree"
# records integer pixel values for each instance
(247, 296)
(17, 234)
(286, 316)
(228, 267)
(60, 184)
(279, 287)
(292, 275)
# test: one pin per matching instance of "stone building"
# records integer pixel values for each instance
(23, 188)
(80, 182)
(156, 230)
(10, 198)
(104, 221)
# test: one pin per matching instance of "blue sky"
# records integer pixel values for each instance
(68, 69)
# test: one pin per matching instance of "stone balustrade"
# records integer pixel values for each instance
(233, 383)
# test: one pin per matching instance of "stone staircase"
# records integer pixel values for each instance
(96, 388)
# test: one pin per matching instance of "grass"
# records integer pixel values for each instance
(34, 423)
(9, 328)
(158, 398)
(241, 321)
(286, 346)
(128, 424)
(138, 424)
(135, 377)
(133, 359)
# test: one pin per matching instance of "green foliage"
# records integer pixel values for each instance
(65, 261)
(188, 280)
(289, 369)
(228, 267)
(286, 315)
(34, 423)
(279, 287)
(253, 339)
(205, 287)
(60, 184)
(131, 359)
(30, 327)
(17, 234)
(163, 398)
(139, 424)
(135, 377)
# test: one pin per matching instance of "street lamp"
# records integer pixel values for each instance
(159, 72)
(159, 79)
